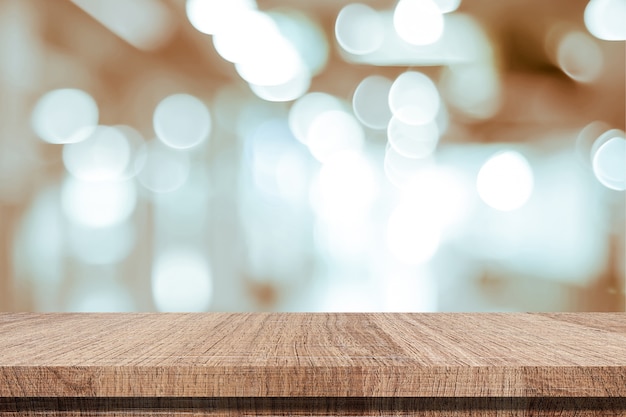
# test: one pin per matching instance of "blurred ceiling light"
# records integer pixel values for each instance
(609, 160)
(104, 155)
(370, 102)
(181, 281)
(101, 246)
(182, 121)
(418, 22)
(473, 89)
(210, 16)
(162, 169)
(412, 236)
(505, 182)
(359, 29)
(97, 204)
(463, 41)
(413, 98)
(605, 19)
(346, 187)
(145, 24)
(64, 116)
(333, 131)
(413, 141)
(580, 57)
(306, 109)
(447, 6)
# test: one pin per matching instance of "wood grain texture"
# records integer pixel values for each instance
(363, 407)
(312, 355)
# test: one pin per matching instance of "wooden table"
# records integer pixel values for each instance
(279, 364)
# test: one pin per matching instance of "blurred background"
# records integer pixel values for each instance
(292, 155)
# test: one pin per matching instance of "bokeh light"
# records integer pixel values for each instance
(413, 98)
(359, 29)
(464, 41)
(609, 161)
(412, 237)
(588, 140)
(276, 160)
(210, 16)
(288, 91)
(307, 36)
(181, 281)
(104, 155)
(580, 57)
(103, 295)
(370, 102)
(41, 236)
(605, 19)
(472, 89)
(101, 246)
(261, 53)
(505, 182)
(334, 131)
(442, 194)
(418, 22)
(292, 175)
(306, 109)
(97, 204)
(447, 6)
(399, 168)
(66, 115)
(413, 141)
(145, 24)
(304, 156)
(161, 169)
(346, 187)
(182, 121)
(246, 37)
(135, 142)
(278, 66)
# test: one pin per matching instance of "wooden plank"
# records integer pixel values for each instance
(313, 355)
(362, 407)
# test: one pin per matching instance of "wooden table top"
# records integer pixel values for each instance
(313, 355)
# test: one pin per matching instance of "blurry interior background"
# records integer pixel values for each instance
(293, 155)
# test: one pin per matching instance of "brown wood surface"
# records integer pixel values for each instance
(312, 355)
(327, 407)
